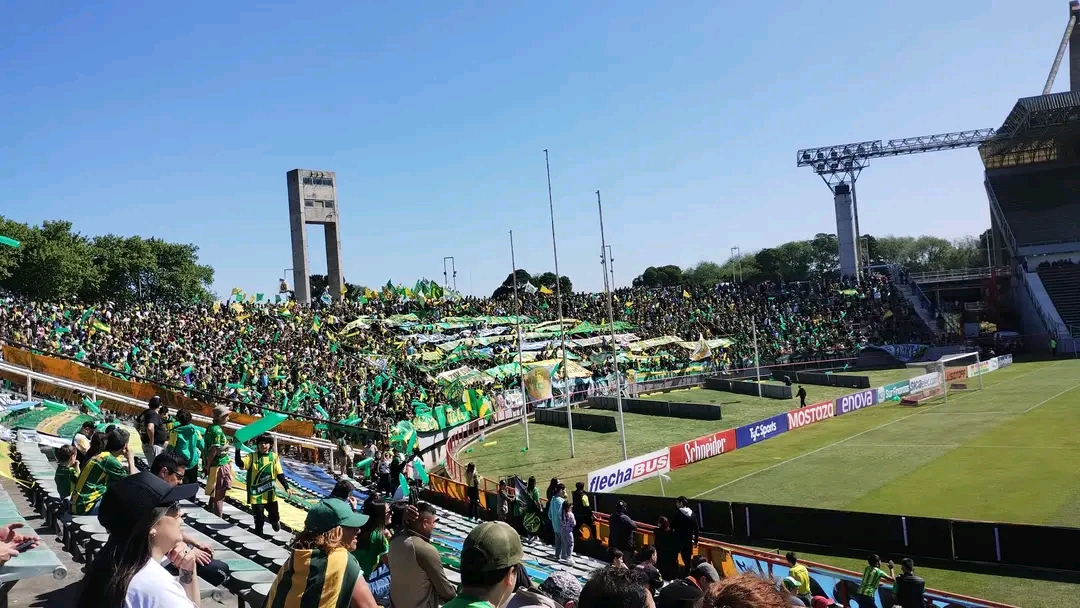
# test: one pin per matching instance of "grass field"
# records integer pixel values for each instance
(1005, 453)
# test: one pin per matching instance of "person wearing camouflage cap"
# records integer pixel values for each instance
(489, 559)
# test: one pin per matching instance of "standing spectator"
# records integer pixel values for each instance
(263, 467)
(186, 440)
(81, 441)
(871, 580)
(373, 542)
(321, 573)
(532, 518)
(102, 470)
(615, 588)
(490, 556)
(667, 550)
(567, 526)
(554, 516)
(472, 489)
(802, 396)
(801, 575)
(218, 465)
(582, 509)
(153, 429)
(684, 528)
(621, 533)
(503, 502)
(142, 514)
(418, 580)
(908, 588)
(744, 591)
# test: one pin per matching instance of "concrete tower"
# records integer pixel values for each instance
(313, 200)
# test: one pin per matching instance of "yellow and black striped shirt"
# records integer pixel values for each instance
(311, 578)
(99, 472)
(262, 470)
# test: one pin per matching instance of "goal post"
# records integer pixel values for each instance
(955, 369)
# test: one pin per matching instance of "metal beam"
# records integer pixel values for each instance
(848, 158)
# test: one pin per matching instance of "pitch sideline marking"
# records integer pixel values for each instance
(861, 433)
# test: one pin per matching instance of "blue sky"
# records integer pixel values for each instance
(180, 121)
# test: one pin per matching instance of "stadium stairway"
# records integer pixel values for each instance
(1062, 284)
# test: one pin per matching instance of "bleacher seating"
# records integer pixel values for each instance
(1041, 207)
(1062, 283)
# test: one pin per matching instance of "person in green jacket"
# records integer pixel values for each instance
(186, 440)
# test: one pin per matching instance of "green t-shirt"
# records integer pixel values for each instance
(369, 557)
(65, 479)
(871, 580)
(462, 601)
(215, 437)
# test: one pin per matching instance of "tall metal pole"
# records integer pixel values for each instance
(521, 365)
(757, 362)
(611, 320)
(736, 258)
(611, 267)
(453, 268)
(558, 300)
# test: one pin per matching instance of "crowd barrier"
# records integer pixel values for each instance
(597, 423)
(648, 407)
(822, 379)
(772, 391)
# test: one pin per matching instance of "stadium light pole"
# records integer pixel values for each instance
(558, 301)
(737, 263)
(611, 266)
(453, 268)
(611, 320)
(757, 362)
(521, 365)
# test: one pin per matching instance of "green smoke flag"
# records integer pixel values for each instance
(10, 242)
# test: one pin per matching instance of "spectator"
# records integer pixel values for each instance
(622, 528)
(802, 396)
(154, 434)
(567, 526)
(908, 588)
(373, 542)
(321, 572)
(679, 594)
(554, 516)
(684, 529)
(583, 512)
(667, 550)
(704, 575)
(526, 594)
(788, 588)
(563, 588)
(821, 601)
(186, 440)
(871, 580)
(799, 572)
(615, 557)
(343, 490)
(142, 514)
(81, 441)
(168, 468)
(490, 557)
(263, 466)
(744, 591)
(650, 577)
(67, 474)
(218, 465)
(615, 588)
(472, 489)
(102, 470)
(502, 503)
(417, 579)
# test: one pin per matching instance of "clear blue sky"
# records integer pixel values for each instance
(180, 121)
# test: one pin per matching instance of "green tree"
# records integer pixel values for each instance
(704, 274)
(662, 276)
(507, 287)
(547, 279)
(825, 253)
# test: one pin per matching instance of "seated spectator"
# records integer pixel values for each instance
(321, 572)
(563, 588)
(616, 588)
(615, 557)
(373, 540)
(490, 556)
(100, 471)
(788, 587)
(67, 474)
(908, 588)
(343, 490)
(744, 591)
(417, 578)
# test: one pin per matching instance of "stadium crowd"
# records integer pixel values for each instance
(264, 353)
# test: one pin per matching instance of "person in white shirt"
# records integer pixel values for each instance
(142, 514)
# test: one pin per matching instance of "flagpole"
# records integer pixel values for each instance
(558, 300)
(611, 320)
(757, 362)
(521, 358)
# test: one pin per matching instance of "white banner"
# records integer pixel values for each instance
(924, 382)
(609, 479)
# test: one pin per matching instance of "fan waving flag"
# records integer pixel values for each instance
(703, 351)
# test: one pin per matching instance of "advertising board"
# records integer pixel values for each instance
(810, 414)
(856, 401)
(613, 477)
(955, 373)
(760, 431)
(892, 391)
(924, 382)
(978, 369)
(1004, 361)
(701, 448)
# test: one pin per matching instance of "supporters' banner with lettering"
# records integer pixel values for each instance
(904, 352)
(805, 416)
(609, 479)
(701, 448)
(856, 401)
(761, 430)
(893, 392)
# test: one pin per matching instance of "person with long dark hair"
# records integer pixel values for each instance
(373, 541)
(102, 469)
(667, 550)
(142, 514)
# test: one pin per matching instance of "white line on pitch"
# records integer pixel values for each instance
(861, 433)
(964, 446)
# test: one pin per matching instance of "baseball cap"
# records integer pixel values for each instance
(562, 587)
(791, 583)
(707, 571)
(130, 499)
(330, 513)
(819, 601)
(491, 546)
(678, 594)
(221, 410)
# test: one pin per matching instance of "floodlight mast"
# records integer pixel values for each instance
(840, 166)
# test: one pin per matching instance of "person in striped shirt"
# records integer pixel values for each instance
(263, 467)
(321, 572)
(217, 462)
(102, 470)
(871, 580)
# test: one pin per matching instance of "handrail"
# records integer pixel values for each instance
(959, 274)
(995, 208)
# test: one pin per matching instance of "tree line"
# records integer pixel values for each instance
(54, 263)
(544, 279)
(820, 256)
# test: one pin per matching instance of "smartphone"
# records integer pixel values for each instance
(26, 544)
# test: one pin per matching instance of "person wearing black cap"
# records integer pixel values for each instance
(142, 514)
(321, 572)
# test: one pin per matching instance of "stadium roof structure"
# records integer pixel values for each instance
(1034, 130)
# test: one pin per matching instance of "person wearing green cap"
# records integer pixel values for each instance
(489, 559)
(321, 572)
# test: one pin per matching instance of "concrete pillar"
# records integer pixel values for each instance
(1074, 48)
(333, 260)
(313, 200)
(845, 231)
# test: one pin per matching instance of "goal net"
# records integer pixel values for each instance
(962, 372)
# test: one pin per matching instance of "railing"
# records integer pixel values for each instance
(995, 209)
(961, 274)
(1053, 328)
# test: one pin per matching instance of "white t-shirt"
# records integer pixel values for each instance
(154, 587)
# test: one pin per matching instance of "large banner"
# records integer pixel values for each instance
(701, 448)
(609, 479)
(851, 403)
(810, 414)
(761, 430)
